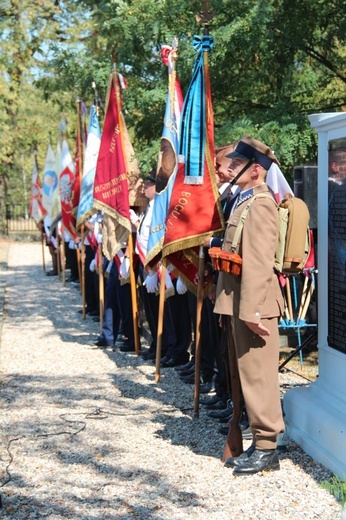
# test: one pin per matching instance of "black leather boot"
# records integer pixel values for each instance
(260, 460)
(232, 462)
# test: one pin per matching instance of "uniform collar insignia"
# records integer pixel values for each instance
(245, 196)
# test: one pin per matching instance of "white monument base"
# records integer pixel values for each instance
(315, 417)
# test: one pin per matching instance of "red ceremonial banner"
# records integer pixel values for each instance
(194, 211)
(110, 185)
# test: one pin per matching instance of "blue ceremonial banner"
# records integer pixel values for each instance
(194, 124)
(49, 181)
(168, 157)
(194, 210)
(86, 201)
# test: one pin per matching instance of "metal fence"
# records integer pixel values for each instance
(17, 221)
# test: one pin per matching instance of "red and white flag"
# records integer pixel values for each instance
(37, 211)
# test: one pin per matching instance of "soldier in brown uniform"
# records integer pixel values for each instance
(252, 303)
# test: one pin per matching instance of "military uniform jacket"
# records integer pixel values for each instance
(256, 293)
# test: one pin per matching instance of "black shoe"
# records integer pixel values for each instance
(127, 348)
(244, 423)
(88, 310)
(186, 366)
(187, 372)
(206, 388)
(226, 419)
(260, 460)
(166, 359)
(188, 379)
(247, 434)
(168, 364)
(232, 462)
(72, 279)
(52, 273)
(221, 404)
(149, 355)
(102, 343)
(211, 401)
(96, 319)
(221, 413)
(95, 312)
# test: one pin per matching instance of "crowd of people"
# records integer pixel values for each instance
(241, 311)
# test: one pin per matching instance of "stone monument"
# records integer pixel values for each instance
(315, 416)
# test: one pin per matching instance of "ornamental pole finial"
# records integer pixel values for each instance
(205, 15)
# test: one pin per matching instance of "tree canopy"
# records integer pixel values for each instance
(273, 63)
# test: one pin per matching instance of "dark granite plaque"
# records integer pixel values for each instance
(337, 245)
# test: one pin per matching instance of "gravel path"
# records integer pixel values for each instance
(87, 434)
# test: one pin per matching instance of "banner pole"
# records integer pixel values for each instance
(101, 287)
(82, 271)
(160, 322)
(63, 257)
(42, 245)
(134, 297)
(200, 295)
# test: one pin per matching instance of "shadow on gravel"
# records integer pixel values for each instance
(49, 299)
(174, 420)
(60, 436)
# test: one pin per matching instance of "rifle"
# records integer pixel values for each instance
(234, 442)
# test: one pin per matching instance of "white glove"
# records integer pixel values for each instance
(124, 268)
(109, 267)
(152, 282)
(54, 242)
(170, 267)
(181, 287)
(71, 244)
(133, 217)
(99, 238)
(92, 265)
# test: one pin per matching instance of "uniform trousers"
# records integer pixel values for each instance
(181, 318)
(151, 308)
(91, 296)
(258, 362)
(111, 314)
(125, 306)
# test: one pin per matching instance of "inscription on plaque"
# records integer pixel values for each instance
(337, 244)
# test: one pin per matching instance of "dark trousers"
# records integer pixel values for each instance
(209, 336)
(125, 306)
(71, 261)
(181, 318)
(91, 296)
(151, 309)
(111, 314)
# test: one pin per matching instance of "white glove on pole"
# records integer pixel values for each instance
(124, 269)
(109, 267)
(152, 282)
(170, 267)
(181, 287)
(92, 265)
(133, 217)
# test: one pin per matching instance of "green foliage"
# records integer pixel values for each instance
(273, 63)
(335, 487)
